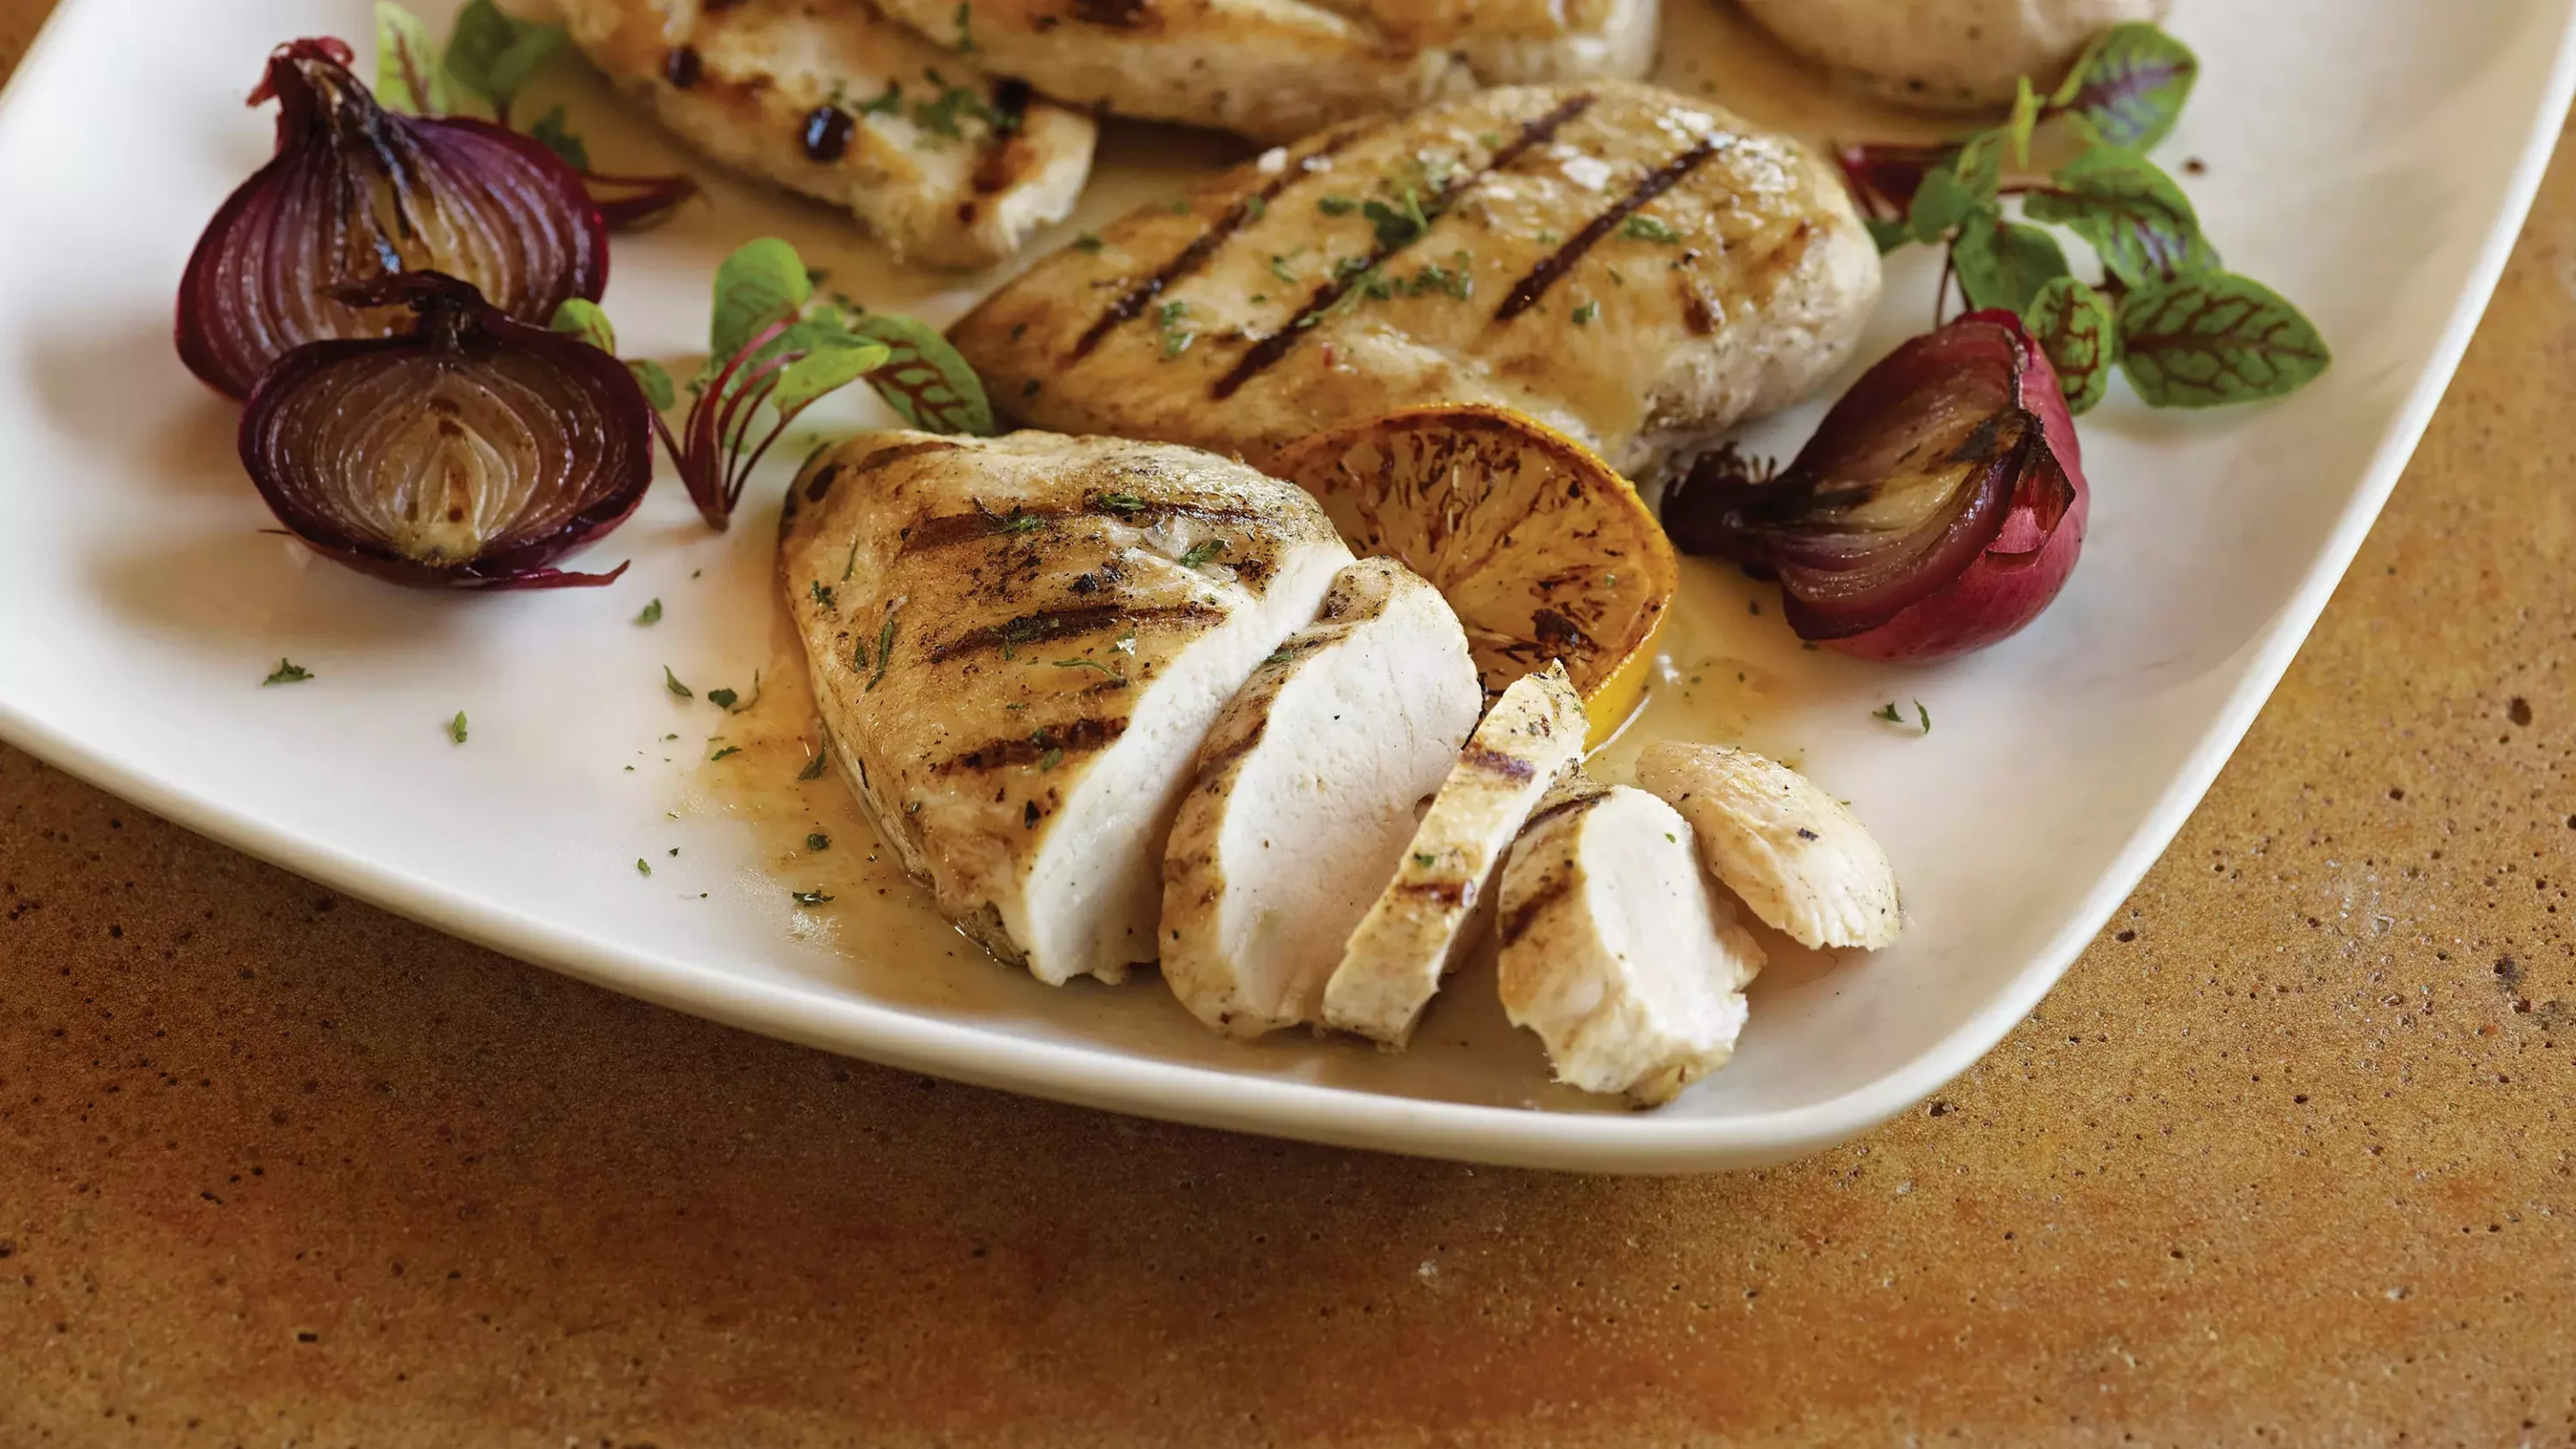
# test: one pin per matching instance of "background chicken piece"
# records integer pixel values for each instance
(1617, 949)
(1018, 644)
(1306, 793)
(1633, 268)
(1277, 69)
(1948, 55)
(1442, 892)
(948, 166)
(1797, 856)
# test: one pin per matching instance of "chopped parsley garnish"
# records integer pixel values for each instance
(1119, 502)
(727, 750)
(818, 841)
(652, 613)
(1021, 522)
(672, 683)
(1280, 656)
(1113, 674)
(890, 103)
(1088, 241)
(965, 28)
(642, 866)
(939, 117)
(1425, 859)
(1256, 206)
(813, 768)
(821, 593)
(1279, 265)
(1584, 314)
(1926, 715)
(849, 565)
(1641, 227)
(885, 652)
(808, 898)
(1050, 757)
(1890, 713)
(1336, 206)
(287, 672)
(1398, 224)
(1176, 338)
(1201, 552)
(1489, 139)
(722, 698)
(456, 728)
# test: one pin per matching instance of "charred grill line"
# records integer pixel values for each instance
(1131, 304)
(1526, 292)
(949, 528)
(1275, 346)
(1080, 737)
(1057, 623)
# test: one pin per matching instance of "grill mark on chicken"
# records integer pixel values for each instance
(1277, 345)
(1493, 761)
(953, 528)
(1060, 623)
(1557, 888)
(1131, 305)
(1562, 807)
(1446, 892)
(1080, 737)
(1526, 292)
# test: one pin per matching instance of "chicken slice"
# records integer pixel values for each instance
(1442, 892)
(1017, 645)
(1796, 855)
(1617, 949)
(1631, 267)
(1277, 69)
(950, 167)
(1306, 793)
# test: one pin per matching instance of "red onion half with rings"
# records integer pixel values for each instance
(355, 192)
(1939, 507)
(468, 453)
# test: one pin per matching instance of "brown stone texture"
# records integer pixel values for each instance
(2285, 1159)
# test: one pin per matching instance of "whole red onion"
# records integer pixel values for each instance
(356, 191)
(468, 452)
(1939, 507)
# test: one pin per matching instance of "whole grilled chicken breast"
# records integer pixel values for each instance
(1632, 267)
(950, 167)
(1277, 69)
(1018, 644)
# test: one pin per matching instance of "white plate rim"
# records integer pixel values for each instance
(1314, 1113)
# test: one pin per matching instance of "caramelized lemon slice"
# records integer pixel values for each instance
(1544, 551)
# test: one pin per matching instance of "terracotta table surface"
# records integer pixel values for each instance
(2287, 1157)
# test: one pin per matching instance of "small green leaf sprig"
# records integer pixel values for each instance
(774, 350)
(2167, 312)
(491, 56)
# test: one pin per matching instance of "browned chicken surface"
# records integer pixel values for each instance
(1633, 267)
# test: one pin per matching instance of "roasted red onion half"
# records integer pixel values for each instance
(356, 191)
(467, 453)
(1938, 508)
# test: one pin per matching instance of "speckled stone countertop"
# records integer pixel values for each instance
(2285, 1159)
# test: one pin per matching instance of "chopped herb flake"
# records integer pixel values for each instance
(821, 593)
(813, 768)
(1584, 314)
(1280, 656)
(1337, 206)
(642, 866)
(1925, 714)
(456, 728)
(1050, 757)
(652, 613)
(672, 683)
(1201, 552)
(722, 698)
(1088, 241)
(1256, 206)
(1020, 522)
(1888, 713)
(1425, 859)
(1641, 227)
(818, 841)
(965, 27)
(287, 672)
(885, 652)
(1176, 338)
(1091, 664)
(1119, 502)
(727, 750)
(1279, 265)
(889, 103)
(808, 898)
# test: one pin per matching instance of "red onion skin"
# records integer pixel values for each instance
(626, 459)
(2009, 585)
(247, 295)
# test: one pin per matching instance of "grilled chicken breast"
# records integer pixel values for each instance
(948, 166)
(1018, 644)
(1946, 55)
(1443, 885)
(1632, 267)
(1277, 69)
(1306, 794)
(1617, 950)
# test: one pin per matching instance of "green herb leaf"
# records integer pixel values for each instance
(652, 613)
(965, 28)
(821, 593)
(456, 728)
(555, 134)
(808, 898)
(643, 867)
(1888, 713)
(2075, 326)
(583, 318)
(762, 283)
(885, 652)
(818, 841)
(1050, 757)
(1641, 227)
(1925, 715)
(1279, 266)
(656, 383)
(1425, 859)
(1176, 338)
(1200, 553)
(408, 77)
(2136, 218)
(888, 102)
(2004, 263)
(287, 672)
(1398, 224)
(1888, 231)
(2025, 119)
(813, 768)
(1941, 202)
(1584, 313)
(1121, 503)
(924, 378)
(1113, 674)
(826, 369)
(2202, 341)
(727, 750)
(1336, 205)
(722, 698)
(1088, 242)
(2129, 85)
(672, 683)
(494, 56)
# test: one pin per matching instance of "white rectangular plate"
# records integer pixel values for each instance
(2370, 160)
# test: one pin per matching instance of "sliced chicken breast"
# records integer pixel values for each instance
(950, 167)
(1306, 793)
(1632, 267)
(1946, 55)
(1425, 919)
(1018, 644)
(1277, 69)
(1797, 856)
(1617, 950)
